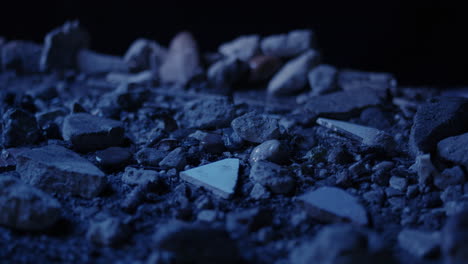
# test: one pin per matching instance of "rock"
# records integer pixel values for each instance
(218, 177)
(134, 176)
(323, 79)
(19, 128)
(288, 45)
(292, 77)
(451, 193)
(208, 113)
(424, 168)
(259, 192)
(419, 243)
(350, 80)
(256, 128)
(198, 244)
(271, 150)
(87, 132)
(330, 204)
(143, 54)
(376, 117)
(21, 56)
(175, 159)
(398, 183)
(126, 96)
(263, 67)
(273, 177)
(227, 72)
(455, 239)
(454, 149)
(438, 119)
(368, 136)
(210, 142)
(150, 156)
(56, 169)
(91, 62)
(26, 208)
(114, 158)
(107, 232)
(448, 177)
(55, 115)
(144, 77)
(182, 63)
(62, 45)
(242, 48)
(208, 216)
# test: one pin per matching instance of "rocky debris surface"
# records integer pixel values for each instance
(257, 152)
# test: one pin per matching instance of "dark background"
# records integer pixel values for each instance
(423, 43)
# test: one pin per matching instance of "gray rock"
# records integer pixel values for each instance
(292, 77)
(448, 177)
(19, 128)
(109, 231)
(143, 54)
(227, 72)
(419, 243)
(21, 56)
(330, 204)
(425, 169)
(454, 149)
(256, 128)
(87, 132)
(273, 177)
(134, 176)
(56, 169)
(114, 158)
(208, 216)
(263, 67)
(91, 62)
(451, 193)
(26, 208)
(271, 150)
(398, 183)
(441, 118)
(144, 77)
(175, 159)
(455, 239)
(182, 63)
(288, 45)
(150, 156)
(198, 244)
(61, 47)
(208, 113)
(259, 192)
(242, 48)
(219, 177)
(323, 79)
(350, 80)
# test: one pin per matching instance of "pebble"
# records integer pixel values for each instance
(398, 183)
(451, 193)
(454, 149)
(273, 177)
(454, 239)
(62, 45)
(330, 204)
(219, 177)
(292, 77)
(142, 53)
(134, 176)
(421, 244)
(19, 128)
(109, 231)
(26, 208)
(256, 128)
(93, 63)
(259, 192)
(150, 156)
(425, 169)
(87, 132)
(449, 177)
(263, 67)
(227, 72)
(438, 119)
(288, 45)
(177, 159)
(323, 79)
(56, 169)
(242, 48)
(350, 80)
(21, 56)
(114, 158)
(144, 77)
(270, 150)
(182, 62)
(208, 113)
(210, 142)
(208, 216)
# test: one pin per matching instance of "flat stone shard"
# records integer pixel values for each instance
(438, 119)
(219, 177)
(323, 79)
(256, 128)
(91, 62)
(26, 208)
(288, 45)
(330, 204)
(454, 149)
(21, 56)
(292, 77)
(87, 132)
(19, 128)
(61, 47)
(56, 169)
(242, 48)
(349, 80)
(419, 243)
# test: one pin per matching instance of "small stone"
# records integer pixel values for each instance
(451, 193)
(292, 77)
(175, 159)
(114, 158)
(231, 139)
(150, 156)
(87, 132)
(398, 183)
(242, 48)
(454, 149)
(227, 72)
(208, 113)
(218, 177)
(259, 192)
(288, 45)
(448, 177)
(134, 176)
(26, 208)
(210, 142)
(21, 56)
(56, 169)
(107, 232)
(141, 52)
(424, 168)
(19, 128)
(454, 239)
(440, 118)
(270, 150)
(375, 197)
(330, 204)
(182, 63)
(91, 62)
(323, 79)
(349, 80)
(61, 47)
(207, 216)
(263, 67)
(273, 177)
(457, 206)
(256, 128)
(384, 165)
(419, 243)
(144, 77)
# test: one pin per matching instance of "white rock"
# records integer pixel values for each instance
(242, 48)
